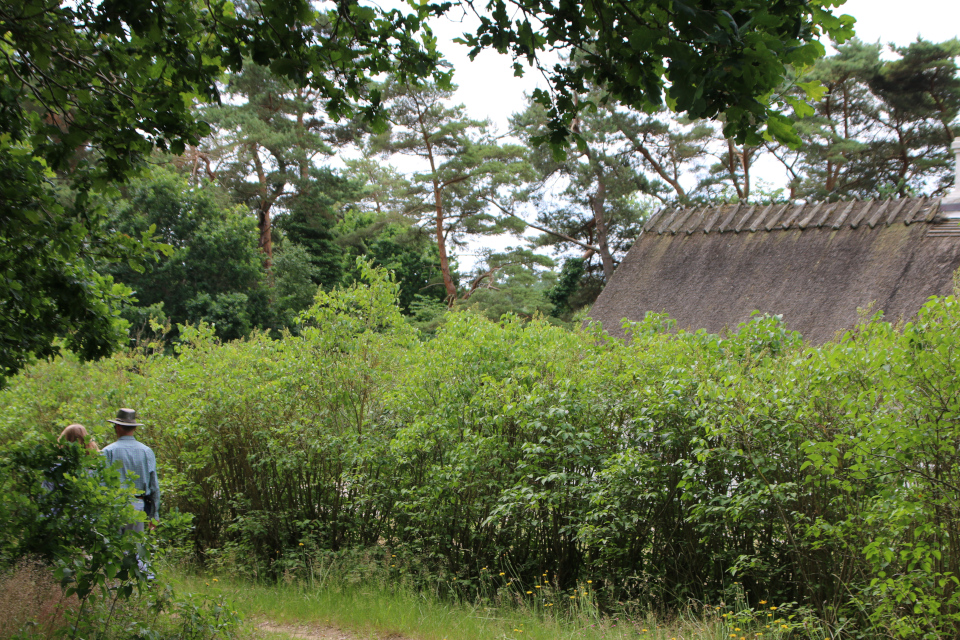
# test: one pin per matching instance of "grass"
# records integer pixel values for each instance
(30, 598)
(376, 608)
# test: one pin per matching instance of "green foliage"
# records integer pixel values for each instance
(213, 265)
(90, 89)
(702, 59)
(393, 241)
(663, 469)
(567, 283)
(65, 505)
(515, 281)
(879, 128)
(295, 275)
(49, 287)
(311, 218)
(59, 500)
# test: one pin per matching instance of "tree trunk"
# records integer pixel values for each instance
(263, 210)
(596, 203)
(438, 204)
(266, 232)
(442, 241)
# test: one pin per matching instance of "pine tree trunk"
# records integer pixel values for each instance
(596, 202)
(442, 243)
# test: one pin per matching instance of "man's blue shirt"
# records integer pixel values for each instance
(138, 458)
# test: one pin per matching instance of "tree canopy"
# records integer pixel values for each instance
(91, 89)
(723, 58)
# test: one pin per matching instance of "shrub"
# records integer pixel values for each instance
(662, 469)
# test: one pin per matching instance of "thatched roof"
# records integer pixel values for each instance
(815, 264)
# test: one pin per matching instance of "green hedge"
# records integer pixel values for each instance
(662, 469)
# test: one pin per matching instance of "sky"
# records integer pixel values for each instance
(488, 88)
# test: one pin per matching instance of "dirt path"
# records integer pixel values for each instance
(320, 632)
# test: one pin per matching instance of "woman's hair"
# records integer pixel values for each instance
(78, 433)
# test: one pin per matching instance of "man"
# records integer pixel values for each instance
(135, 458)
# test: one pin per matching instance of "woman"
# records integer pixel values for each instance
(78, 433)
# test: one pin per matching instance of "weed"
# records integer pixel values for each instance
(31, 601)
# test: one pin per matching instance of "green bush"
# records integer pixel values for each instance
(62, 513)
(663, 469)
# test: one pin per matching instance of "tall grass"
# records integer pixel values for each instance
(31, 601)
(381, 607)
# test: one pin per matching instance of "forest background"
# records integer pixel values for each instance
(283, 174)
(259, 215)
(324, 378)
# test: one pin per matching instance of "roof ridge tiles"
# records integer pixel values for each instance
(864, 210)
(908, 219)
(681, 220)
(726, 222)
(759, 220)
(656, 214)
(798, 209)
(776, 216)
(696, 220)
(843, 216)
(741, 216)
(666, 222)
(713, 219)
(803, 224)
(830, 209)
(745, 217)
(875, 218)
(896, 211)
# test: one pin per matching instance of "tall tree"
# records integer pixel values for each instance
(387, 227)
(310, 219)
(465, 166)
(90, 89)
(589, 198)
(266, 141)
(880, 127)
(214, 268)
